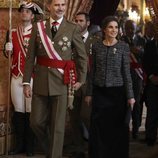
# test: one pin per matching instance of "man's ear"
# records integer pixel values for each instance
(33, 15)
(88, 23)
(48, 7)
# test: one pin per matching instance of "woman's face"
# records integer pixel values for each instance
(111, 30)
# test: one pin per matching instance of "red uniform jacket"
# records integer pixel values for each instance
(18, 57)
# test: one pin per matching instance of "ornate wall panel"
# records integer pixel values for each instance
(6, 3)
(75, 6)
(3, 61)
(4, 12)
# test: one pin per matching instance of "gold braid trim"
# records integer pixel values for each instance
(71, 89)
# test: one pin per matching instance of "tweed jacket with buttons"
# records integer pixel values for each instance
(110, 67)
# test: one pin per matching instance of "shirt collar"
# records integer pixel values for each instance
(27, 29)
(59, 21)
(85, 36)
(149, 38)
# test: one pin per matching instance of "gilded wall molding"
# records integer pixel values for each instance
(6, 3)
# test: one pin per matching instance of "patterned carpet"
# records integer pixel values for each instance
(138, 149)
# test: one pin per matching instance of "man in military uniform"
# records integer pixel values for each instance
(80, 115)
(22, 106)
(52, 42)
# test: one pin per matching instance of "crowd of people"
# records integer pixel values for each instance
(109, 77)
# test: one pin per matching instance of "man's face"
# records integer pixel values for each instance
(149, 30)
(26, 15)
(82, 22)
(130, 28)
(57, 8)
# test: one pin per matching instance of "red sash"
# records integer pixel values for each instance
(64, 67)
(67, 66)
(47, 43)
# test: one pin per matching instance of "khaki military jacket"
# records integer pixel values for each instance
(49, 81)
(89, 42)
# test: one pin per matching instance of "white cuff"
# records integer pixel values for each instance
(25, 83)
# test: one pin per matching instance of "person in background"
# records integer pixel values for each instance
(95, 30)
(110, 93)
(150, 66)
(80, 115)
(52, 42)
(149, 32)
(136, 44)
(148, 36)
(22, 106)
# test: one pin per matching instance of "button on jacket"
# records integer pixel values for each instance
(111, 67)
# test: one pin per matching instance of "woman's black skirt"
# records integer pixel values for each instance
(109, 134)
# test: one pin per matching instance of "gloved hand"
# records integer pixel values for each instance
(9, 46)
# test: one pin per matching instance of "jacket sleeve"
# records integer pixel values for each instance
(80, 56)
(90, 75)
(30, 57)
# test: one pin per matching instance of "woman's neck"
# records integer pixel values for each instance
(110, 41)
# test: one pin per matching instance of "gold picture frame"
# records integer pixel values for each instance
(6, 3)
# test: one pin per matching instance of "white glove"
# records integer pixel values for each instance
(9, 46)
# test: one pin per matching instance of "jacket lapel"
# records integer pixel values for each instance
(88, 43)
(60, 31)
(61, 28)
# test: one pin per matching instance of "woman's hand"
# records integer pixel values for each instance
(131, 102)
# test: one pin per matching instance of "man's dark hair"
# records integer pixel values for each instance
(85, 14)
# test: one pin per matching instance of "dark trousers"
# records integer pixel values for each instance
(142, 102)
(79, 116)
(76, 125)
(23, 133)
(152, 112)
(137, 89)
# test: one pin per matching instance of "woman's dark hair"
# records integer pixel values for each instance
(105, 23)
(107, 20)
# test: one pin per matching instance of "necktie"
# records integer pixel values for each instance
(131, 42)
(83, 38)
(54, 28)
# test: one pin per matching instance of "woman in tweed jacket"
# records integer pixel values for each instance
(110, 89)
